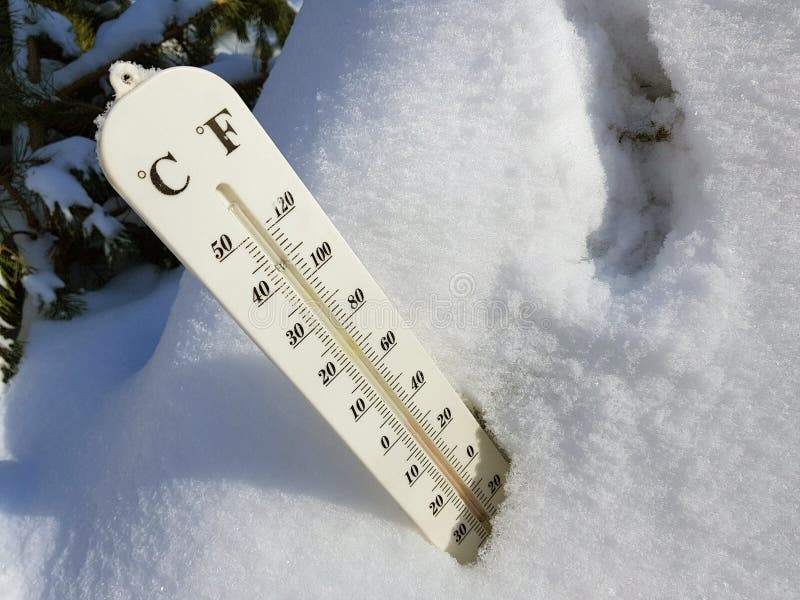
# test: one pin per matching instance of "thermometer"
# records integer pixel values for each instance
(189, 157)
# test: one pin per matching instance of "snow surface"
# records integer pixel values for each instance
(624, 312)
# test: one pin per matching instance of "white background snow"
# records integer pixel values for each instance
(643, 376)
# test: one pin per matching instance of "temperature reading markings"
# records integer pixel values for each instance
(460, 532)
(356, 299)
(494, 484)
(358, 409)
(282, 245)
(412, 474)
(296, 334)
(387, 444)
(221, 247)
(437, 505)
(388, 341)
(284, 205)
(260, 291)
(321, 255)
(417, 380)
(327, 373)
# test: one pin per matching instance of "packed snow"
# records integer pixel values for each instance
(588, 213)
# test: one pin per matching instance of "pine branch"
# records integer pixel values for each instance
(19, 200)
(12, 297)
(173, 31)
(57, 104)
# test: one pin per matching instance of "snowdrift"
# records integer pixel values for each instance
(586, 210)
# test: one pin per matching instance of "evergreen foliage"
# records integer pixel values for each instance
(63, 229)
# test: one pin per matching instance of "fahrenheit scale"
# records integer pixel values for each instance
(186, 153)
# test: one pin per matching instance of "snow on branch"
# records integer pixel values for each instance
(144, 23)
(38, 20)
(54, 181)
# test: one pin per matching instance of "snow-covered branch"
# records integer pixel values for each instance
(145, 23)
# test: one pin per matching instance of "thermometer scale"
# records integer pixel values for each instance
(189, 157)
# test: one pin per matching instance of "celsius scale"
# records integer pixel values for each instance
(187, 154)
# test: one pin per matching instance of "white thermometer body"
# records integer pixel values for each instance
(187, 154)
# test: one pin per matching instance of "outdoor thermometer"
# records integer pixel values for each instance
(187, 154)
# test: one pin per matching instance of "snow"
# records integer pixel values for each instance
(42, 285)
(623, 311)
(235, 68)
(144, 22)
(56, 187)
(34, 19)
(106, 225)
(76, 153)
(56, 27)
(123, 77)
(53, 180)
